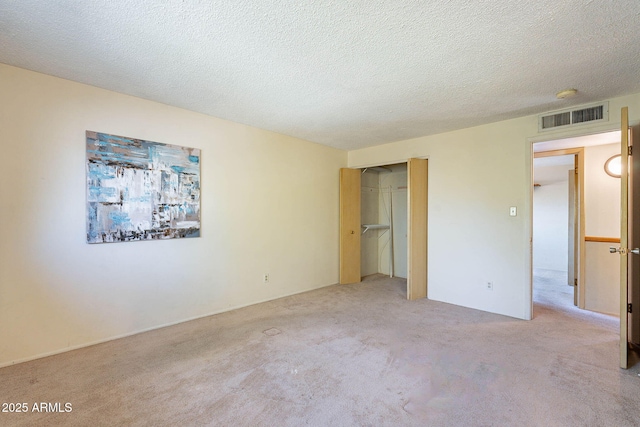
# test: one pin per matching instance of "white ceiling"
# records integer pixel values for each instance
(567, 160)
(550, 170)
(348, 74)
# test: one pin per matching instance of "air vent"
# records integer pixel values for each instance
(587, 114)
(555, 120)
(590, 114)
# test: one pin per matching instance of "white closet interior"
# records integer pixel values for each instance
(384, 220)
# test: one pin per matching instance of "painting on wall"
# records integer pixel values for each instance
(141, 190)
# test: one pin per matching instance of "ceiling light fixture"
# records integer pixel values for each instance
(567, 93)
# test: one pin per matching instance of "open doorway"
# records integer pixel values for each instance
(591, 278)
(384, 220)
(555, 228)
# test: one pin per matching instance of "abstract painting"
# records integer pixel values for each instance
(141, 190)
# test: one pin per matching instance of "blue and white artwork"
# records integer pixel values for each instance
(141, 190)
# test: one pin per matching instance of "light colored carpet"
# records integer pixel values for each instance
(356, 355)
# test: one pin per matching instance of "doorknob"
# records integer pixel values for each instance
(624, 251)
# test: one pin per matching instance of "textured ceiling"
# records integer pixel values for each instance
(348, 74)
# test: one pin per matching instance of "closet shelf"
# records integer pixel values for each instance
(368, 227)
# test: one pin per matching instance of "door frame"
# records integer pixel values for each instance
(579, 264)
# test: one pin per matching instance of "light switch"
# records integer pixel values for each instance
(513, 211)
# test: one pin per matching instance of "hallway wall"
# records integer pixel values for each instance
(551, 212)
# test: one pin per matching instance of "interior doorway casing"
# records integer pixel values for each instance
(555, 142)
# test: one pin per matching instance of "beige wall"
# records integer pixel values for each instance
(602, 193)
(266, 208)
(475, 175)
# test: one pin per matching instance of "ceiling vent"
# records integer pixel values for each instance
(582, 115)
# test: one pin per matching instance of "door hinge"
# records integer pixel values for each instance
(630, 150)
(575, 282)
(629, 308)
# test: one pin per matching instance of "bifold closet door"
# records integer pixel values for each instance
(349, 225)
(417, 229)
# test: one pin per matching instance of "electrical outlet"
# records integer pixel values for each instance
(489, 286)
(265, 278)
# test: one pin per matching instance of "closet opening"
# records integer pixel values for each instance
(383, 218)
(383, 223)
